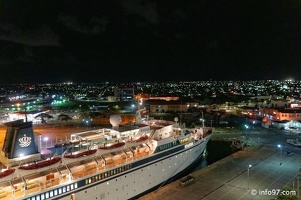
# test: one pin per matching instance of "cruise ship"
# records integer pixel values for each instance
(122, 162)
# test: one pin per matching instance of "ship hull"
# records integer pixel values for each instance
(143, 176)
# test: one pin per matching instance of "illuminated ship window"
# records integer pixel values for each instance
(60, 190)
(46, 195)
(75, 185)
(55, 192)
(51, 194)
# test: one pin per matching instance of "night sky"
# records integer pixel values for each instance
(52, 41)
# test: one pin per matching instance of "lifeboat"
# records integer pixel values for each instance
(137, 141)
(107, 148)
(7, 174)
(79, 156)
(40, 166)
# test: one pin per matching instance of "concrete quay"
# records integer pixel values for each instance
(231, 178)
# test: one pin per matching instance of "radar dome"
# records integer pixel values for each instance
(115, 120)
(176, 119)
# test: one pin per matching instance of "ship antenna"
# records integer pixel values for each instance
(181, 113)
(25, 115)
(203, 119)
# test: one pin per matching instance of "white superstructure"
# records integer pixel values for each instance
(164, 149)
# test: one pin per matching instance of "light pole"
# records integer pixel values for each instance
(249, 167)
(87, 123)
(298, 183)
(46, 140)
(246, 126)
(280, 146)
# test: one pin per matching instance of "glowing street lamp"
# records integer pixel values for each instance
(246, 126)
(249, 167)
(86, 121)
(280, 146)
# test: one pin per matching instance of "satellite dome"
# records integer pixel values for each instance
(115, 120)
(176, 119)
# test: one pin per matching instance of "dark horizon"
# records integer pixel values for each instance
(120, 41)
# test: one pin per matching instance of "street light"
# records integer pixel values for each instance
(280, 146)
(46, 140)
(246, 126)
(87, 121)
(249, 175)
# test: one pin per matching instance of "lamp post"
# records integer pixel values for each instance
(249, 167)
(298, 183)
(46, 140)
(280, 146)
(246, 126)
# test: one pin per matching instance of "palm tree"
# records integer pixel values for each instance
(64, 117)
(42, 116)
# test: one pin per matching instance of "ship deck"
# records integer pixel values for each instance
(53, 178)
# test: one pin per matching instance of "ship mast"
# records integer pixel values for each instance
(203, 119)
(25, 115)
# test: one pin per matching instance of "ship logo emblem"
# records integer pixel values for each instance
(25, 141)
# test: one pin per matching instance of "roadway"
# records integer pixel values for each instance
(257, 172)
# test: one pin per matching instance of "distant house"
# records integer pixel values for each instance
(167, 106)
(281, 118)
(281, 114)
(276, 103)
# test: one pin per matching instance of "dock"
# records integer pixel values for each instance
(259, 171)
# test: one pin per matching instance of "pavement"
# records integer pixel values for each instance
(260, 171)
